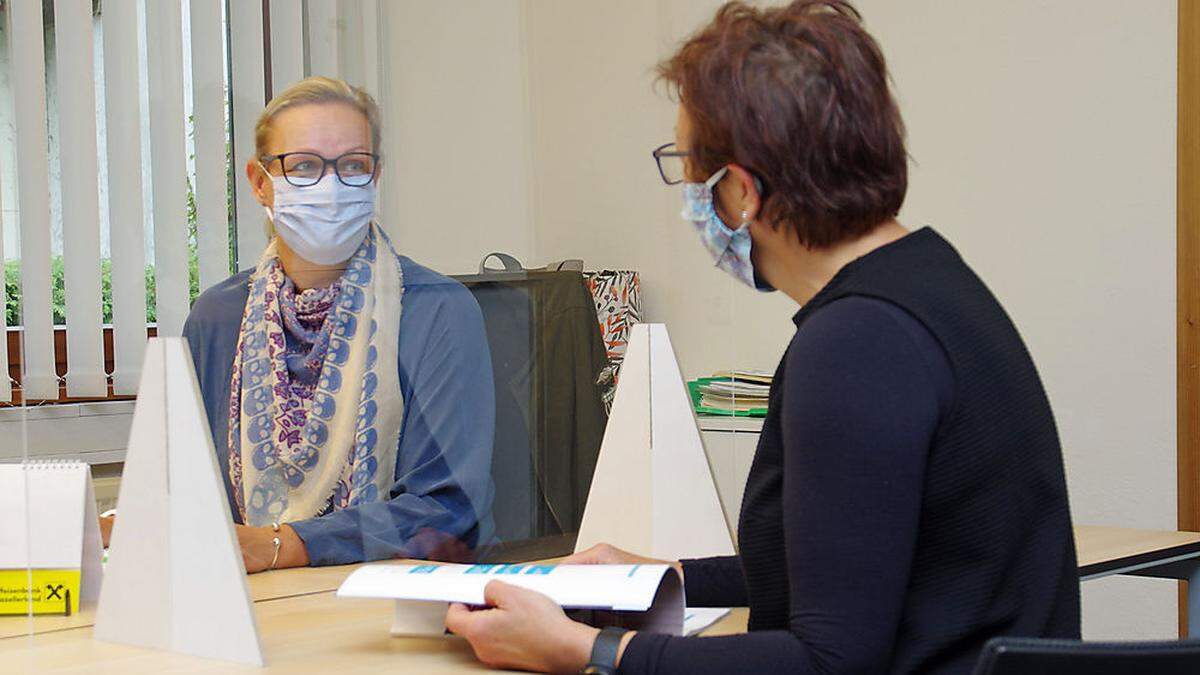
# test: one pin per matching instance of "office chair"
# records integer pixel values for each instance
(1030, 656)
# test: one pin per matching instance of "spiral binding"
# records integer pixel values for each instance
(52, 464)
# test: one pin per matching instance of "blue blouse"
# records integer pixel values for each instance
(441, 500)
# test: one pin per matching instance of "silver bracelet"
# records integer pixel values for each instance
(275, 558)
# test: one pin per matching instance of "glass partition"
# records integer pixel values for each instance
(17, 620)
(546, 155)
(436, 381)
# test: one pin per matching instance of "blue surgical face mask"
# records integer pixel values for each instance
(324, 223)
(728, 247)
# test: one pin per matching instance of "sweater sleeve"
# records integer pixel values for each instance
(714, 582)
(858, 412)
(440, 504)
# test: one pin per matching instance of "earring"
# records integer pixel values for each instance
(745, 218)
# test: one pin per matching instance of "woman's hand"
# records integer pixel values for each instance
(607, 554)
(524, 630)
(258, 548)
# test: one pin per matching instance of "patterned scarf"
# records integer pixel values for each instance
(294, 456)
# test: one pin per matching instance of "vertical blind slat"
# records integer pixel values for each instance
(26, 59)
(249, 89)
(323, 39)
(208, 134)
(122, 113)
(164, 43)
(80, 197)
(287, 44)
(350, 19)
(372, 21)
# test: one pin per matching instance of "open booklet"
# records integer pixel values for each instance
(638, 597)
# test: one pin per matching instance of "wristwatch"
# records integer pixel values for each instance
(604, 652)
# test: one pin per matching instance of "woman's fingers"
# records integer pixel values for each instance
(499, 594)
(521, 629)
(600, 554)
(458, 618)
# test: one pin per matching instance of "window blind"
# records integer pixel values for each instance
(209, 140)
(249, 96)
(122, 115)
(173, 84)
(80, 197)
(32, 175)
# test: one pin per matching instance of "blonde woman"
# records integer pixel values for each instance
(348, 389)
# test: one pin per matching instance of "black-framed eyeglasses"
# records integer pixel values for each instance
(305, 169)
(670, 163)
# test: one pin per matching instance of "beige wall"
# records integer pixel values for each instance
(1043, 143)
(456, 171)
(596, 108)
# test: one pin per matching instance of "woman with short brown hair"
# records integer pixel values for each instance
(907, 499)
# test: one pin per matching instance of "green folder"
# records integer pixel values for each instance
(694, 390)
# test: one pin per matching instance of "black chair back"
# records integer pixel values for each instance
(1028, 656)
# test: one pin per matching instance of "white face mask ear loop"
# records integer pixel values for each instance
(269, 209)
(716, 177)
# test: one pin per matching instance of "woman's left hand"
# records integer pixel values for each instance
(524, 630)
(258, 548)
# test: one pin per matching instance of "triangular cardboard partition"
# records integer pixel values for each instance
(175, 578)
(653, 491)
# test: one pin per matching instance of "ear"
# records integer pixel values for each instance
(260, 182)
(739, 193)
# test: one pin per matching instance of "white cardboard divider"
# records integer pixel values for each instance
(653, 491)
(175, 578)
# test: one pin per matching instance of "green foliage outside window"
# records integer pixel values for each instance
(58, 304)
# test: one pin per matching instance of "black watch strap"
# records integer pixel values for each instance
(604, 652)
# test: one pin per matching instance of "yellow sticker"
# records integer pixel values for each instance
(39, 591)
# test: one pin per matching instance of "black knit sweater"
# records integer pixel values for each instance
(907, 500)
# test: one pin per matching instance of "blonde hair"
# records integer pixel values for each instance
(318, 89)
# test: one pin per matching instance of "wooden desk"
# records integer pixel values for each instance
(305, 628)
(316, 633)
(1105, 551)
(278, 584)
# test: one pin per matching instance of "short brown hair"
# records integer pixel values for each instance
(799, 96)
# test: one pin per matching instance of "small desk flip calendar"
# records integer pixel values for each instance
(49, 538)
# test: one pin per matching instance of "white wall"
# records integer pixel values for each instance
(597, 115)
(456, 164)
(1043, 144)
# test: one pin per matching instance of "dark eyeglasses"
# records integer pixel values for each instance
(305, 169)
(670, 163)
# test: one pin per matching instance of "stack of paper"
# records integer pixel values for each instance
(734, 395)
(754, 376)
(732, 392)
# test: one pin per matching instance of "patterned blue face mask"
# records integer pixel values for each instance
(729, 248)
